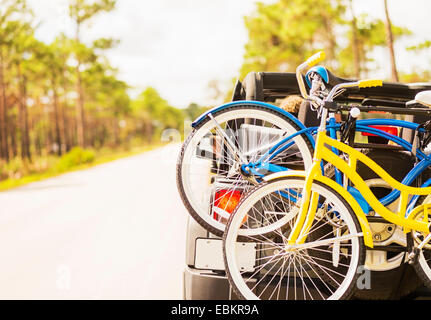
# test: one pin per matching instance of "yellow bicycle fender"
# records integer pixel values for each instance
(314, 202)
(362, 218)
(308, 208)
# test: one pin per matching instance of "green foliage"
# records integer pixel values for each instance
(284, 33)
(105, 43)
(83, 10)
(49, 90)
(416, 76)
(18, 168)
(13, 169)
(75, 157)
(370, 34)
(281, 34)
(193, 111)
(156, 114)
(421, 46)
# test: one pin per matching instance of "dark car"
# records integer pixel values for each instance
(204, 275)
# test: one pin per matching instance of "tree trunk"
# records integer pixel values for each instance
(64, 115)
(80, 121)
(58, 140)
(355, 44)
(38, 138)
(116, 128)
(4, 152)
(390, 44)
(80, 103)
(331, 41)
(13, 136)
(148, 131)
(23, 117)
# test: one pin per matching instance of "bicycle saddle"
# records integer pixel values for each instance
(424, 98)
(327, 76)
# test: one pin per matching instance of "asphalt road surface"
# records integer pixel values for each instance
(116, 231)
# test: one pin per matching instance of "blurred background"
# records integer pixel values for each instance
(85, 81)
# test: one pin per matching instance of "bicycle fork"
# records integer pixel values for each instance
(308, 210)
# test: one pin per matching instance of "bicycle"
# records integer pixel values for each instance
(310, 231)
(232, 147)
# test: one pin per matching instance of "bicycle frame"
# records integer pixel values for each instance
(310, 200)
(362, 126)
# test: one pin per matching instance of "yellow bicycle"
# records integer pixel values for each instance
(319, 249)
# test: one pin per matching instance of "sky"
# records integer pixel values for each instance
(180, 46)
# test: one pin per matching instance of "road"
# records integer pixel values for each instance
(116, 231)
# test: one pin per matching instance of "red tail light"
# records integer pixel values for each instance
(390, 130)
(226, 200)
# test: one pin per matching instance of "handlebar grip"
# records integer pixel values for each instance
(315, 59)
(370, 83)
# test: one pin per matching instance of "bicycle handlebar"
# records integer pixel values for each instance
(370, 83)
(315, 59)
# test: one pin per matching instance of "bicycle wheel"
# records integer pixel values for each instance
(422, 264)
(208, 174)
(389, 277)
(324, 268)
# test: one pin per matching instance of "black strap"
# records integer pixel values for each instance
(422, 137)
(348, 130)
(396, 293)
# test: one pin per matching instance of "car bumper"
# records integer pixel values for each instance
(206, 285)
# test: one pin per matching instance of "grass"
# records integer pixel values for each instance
(75, 160)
